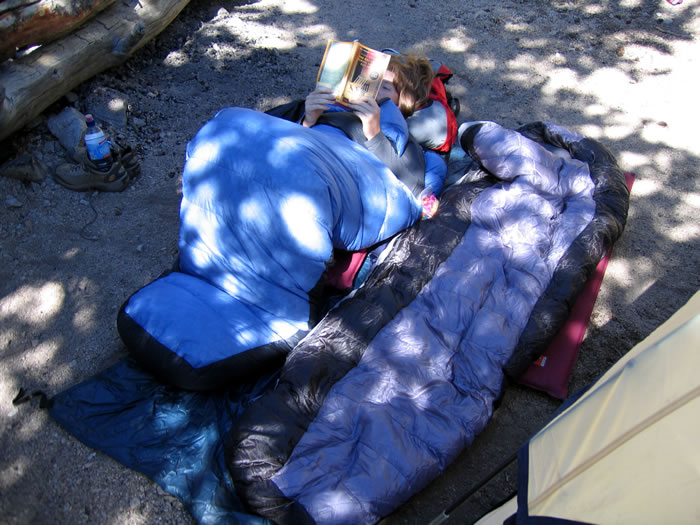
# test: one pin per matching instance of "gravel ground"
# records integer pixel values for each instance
(620, 72)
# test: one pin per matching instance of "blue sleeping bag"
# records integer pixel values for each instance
(265, 202)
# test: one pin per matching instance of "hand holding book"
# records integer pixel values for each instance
(365, 108)
(316, 103)
(368, 111)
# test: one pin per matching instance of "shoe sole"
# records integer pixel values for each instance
(115, 185)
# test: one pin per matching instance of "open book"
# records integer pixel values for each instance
(352, 70)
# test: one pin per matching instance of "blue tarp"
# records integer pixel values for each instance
(170, 435)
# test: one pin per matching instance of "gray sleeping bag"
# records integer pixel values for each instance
(396, 380)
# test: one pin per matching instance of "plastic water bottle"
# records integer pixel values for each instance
(99, 149)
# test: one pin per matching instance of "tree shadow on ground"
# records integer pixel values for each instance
(514, 62)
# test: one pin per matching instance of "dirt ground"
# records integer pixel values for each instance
(621, 72)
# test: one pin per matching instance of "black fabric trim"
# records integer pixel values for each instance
(466, 140)
(23, 397)
(263, 439)
(170, 368)
(578, 264)
(546, 520)
(523, 480)
(292, 111)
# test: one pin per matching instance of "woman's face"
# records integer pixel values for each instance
(387, 89)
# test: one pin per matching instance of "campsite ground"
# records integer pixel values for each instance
(621, 72)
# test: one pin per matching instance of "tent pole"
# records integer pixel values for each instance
(445, 514)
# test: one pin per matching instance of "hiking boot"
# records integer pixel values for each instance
(127, 156)
(85, 176)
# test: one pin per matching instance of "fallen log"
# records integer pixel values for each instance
(34, 22)
(33, 82)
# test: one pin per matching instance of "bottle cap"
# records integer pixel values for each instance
(89, 119)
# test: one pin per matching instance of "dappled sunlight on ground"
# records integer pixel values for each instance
(33, 304)
(620, 72)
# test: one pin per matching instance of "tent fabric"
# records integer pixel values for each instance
(380, 397)
(626, 451)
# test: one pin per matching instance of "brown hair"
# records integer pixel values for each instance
(412, 78)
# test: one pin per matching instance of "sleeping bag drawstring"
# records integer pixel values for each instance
(22, 397)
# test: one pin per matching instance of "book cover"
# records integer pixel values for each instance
(352, 70)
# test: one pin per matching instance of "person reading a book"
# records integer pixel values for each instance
(406, 83)
(406, 87)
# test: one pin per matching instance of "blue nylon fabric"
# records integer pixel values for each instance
(264, 203)
(172, 436)
(435, 172)
(261, 195)
(218, 319)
